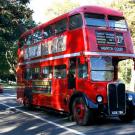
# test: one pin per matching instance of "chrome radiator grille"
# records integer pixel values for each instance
(116, 99)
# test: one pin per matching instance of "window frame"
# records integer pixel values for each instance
(36, 73)
(101, 70)
(37, 36)
(54, 71)
(69, 19)
(95, 17)
(28, 74)
(51, 32)
(50, 71)
(82, 73)
(30, 40)
(116, 19)
(59, 22)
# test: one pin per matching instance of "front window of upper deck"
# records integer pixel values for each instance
(95, 20)
(102, 68)
(75, 21)
(117, 22)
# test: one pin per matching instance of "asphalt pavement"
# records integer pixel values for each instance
(17, 120)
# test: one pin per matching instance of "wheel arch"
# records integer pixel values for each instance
(75, 95)
(89, 103)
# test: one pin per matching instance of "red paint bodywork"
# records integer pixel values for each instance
(78, 40)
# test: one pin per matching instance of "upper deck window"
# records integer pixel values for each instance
(75, 21)
(117, 22)
(97, 20)
(60, 26)
(48, 31)
(37, 36)
(29, 40)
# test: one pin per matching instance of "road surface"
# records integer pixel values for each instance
(16, 120)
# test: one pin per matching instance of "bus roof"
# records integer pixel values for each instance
(91, 9)
(98, 10)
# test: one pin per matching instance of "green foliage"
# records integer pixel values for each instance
(15, 18)
(59, 8)
(125, 71)
(128, 8)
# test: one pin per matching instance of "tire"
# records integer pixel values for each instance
(128, 117)
(81, 113)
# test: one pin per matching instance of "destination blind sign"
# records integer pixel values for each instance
(111, 48)
(105, 38)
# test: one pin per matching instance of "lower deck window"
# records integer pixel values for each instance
(35, 73)
(47, 72)
(60, 71)
(28, 74)
(83, 71)
(102, 75)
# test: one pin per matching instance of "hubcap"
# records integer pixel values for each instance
(79, 111)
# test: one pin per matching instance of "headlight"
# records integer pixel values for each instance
(130, 97)
(99, 99)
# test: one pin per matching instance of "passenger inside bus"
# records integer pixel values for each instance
(72, 75)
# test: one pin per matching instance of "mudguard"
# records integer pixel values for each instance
(130, 103)
(88, 102)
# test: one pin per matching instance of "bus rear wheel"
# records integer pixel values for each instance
(81, 113)
(27, 103)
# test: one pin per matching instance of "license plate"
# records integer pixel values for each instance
(117, 112)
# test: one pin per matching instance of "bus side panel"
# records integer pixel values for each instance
(91, 89)
(75, 41)
(42, 100)
(59, 94)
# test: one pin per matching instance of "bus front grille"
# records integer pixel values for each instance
(116, 99)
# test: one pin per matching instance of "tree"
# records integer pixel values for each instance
(128, 8)
(15, 18)
(59, 8)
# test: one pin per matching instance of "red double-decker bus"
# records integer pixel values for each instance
(70, 64)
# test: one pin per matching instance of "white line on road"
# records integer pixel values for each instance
(10, 95)
(47, 121)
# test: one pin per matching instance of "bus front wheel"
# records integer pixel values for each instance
(81, 113)
(128, 117)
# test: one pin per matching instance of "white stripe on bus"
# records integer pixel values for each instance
(47, 121)
(78, 54)
(109, 54)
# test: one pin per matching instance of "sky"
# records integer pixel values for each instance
(39, 7)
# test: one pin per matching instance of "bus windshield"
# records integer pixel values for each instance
(97, 20)
(117, 22)
(102, 69)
